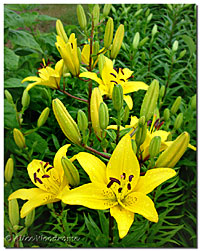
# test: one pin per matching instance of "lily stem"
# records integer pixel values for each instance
(95, 151)
(68, 94)
(118, 126)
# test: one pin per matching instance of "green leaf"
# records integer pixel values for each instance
(46, 18)
(14, 83)
(24, 51)
(10, 119)
(11, 60)
(24, 39)
(190, 43)
(40, 145)
(12, 19)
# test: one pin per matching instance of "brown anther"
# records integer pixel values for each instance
(122, 71)
(49, 168)
(122, 79)
(120, 190)
(129, 186)
(35, 177)
(38, 170)
(115, 180)
(130, 178)
(39, 180)
(46, 164)
(160, 125)
(113, 74)
(110, 184)
(114, 82)
(45, 176)
(72, 45)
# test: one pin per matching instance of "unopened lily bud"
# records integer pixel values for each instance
(134, 146)
(143, 57)
(117, 97)
(108, 36)
(162, 91)
(141, 121)
(25, 99)
(29, 219)
(154, 147)
(150, 100)
(70, 171)
(137, 13)
(95, 102)
(19, 138)
(141, 132)
(178, 122)
(79, 54)
(103, 116)
(137, 26)
(43, 117)
(81, 16)
(174, 152)
(106, 9)
(95, 14)
(8, 96)
(95, 48)
(136, 40)
(117, 42)
(143, 41)
(101, 62)
(9, 169)
(167, 51)
(13, 212)
(147, 12)
(166, 114)
(194, 102)
(126, 114)
(175, 46)
(82, 120)
(66, 122)
(176, 105)
(149, 17)
(60, 31)
(169, 7)
(154, 30)
(182, 54)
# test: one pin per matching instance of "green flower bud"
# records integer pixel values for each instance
(137, 13)
(174, 152)
(117, 42)
(60, 30)
(169, 6)
(162, 91)
(154, 30)
(117, 97)
(150, 100)
(134, 146)
(79, 54)
(29, 219)
(106, 9)
(126, 114)
(70, 171)
(95, 13)
(176, 105)
(143, 41)
(43, 117)
(175, 46)
(141, 132)
(167, 51)
(166, 114)
(95, 49)
(194, 102)
(81, 17)
(101, 62)
(82, 121)
(13, 212)
(25, 99)
(19, 138)
(66, 122)
(147, 12)
(9, 169)
(154, 147)
(50, 206)
(8, 96)
(149, 17)
(143, 57)
(178, 122)
(182, 54)
(137, 26)
(103, 116)
(136, 40)
(108, 36)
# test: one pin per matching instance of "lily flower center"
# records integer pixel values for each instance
(121, 187)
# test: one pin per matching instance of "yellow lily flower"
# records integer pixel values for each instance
(69, 53)
(111, 77)
(50, 181)
(47, 76)
(118, 186)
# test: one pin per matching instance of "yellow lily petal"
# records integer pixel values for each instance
(85, 54)
(133, 86)
(124, 219)
(153, 178)
(59, 66)
(128, 101)
(42, 199)
(133, 123)
(93, 166)
(114, 127)
(141, 204)
(33, 78)
(192, 147)
(32, 85)
(57, 159)
(163, 134)
(124, 74)
(94, 196)
(123, 160)
(26, 194)
(90, 75)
